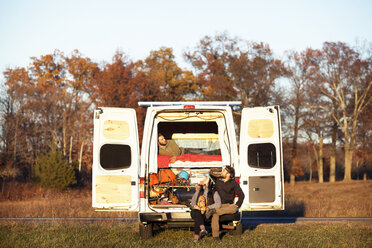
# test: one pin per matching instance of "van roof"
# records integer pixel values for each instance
(204, 103)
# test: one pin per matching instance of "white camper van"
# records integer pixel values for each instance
(126, 178)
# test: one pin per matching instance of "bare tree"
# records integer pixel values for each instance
(301, 67)
(346, 80)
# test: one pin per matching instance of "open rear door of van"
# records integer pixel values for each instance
(261, 159)
(115, 159)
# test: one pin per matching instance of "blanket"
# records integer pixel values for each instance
(163, 160)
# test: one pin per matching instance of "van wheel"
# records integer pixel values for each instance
(145, 231)
(238, 229)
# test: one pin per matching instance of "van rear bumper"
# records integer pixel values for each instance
(165, 217)
(181, 217)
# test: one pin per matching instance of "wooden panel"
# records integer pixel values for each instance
(113, 189)
(260, 128)
(117, 130)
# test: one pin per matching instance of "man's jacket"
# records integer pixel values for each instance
(228, 190)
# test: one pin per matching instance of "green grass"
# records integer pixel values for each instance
(126, 235)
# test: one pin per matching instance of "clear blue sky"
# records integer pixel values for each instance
(99, 28)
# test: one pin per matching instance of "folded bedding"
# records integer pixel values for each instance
(164, 160)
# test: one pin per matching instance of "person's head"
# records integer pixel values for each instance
(204, 184)
(161, 140)
(204, 181)
(228, 172)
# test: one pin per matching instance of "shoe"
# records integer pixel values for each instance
(210, 212)
(196, 238)
(217, 239)
(203, 232)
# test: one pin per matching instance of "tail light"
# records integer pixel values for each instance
(142, 187)
(237, 179)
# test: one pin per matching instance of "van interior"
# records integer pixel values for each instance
(203, 139)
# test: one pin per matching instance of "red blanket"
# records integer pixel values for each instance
(163, 160)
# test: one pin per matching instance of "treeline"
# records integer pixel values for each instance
(325, 97)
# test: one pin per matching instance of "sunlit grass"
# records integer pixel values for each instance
(352, 199)
(126, 235)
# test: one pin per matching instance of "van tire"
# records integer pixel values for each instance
(238, 229)
(145, 231)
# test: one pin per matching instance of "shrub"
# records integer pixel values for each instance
(52, 171)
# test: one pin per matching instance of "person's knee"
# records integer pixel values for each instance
(220, 211)
(226, 210)
(233, 208)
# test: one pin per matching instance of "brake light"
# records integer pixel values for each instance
(189, 107)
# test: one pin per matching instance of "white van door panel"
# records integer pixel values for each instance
(115, 159)
(261, 164)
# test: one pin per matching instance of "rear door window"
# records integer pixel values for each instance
(261, 155)
(114, 156)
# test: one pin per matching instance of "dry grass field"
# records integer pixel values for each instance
(352, 199)
(304, 199)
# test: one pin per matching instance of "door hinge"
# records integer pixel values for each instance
(97, 113)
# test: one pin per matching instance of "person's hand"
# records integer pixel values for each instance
(173, 159)
(197, 188)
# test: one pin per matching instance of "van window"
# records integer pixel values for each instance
(113, 156)
(262, 155)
